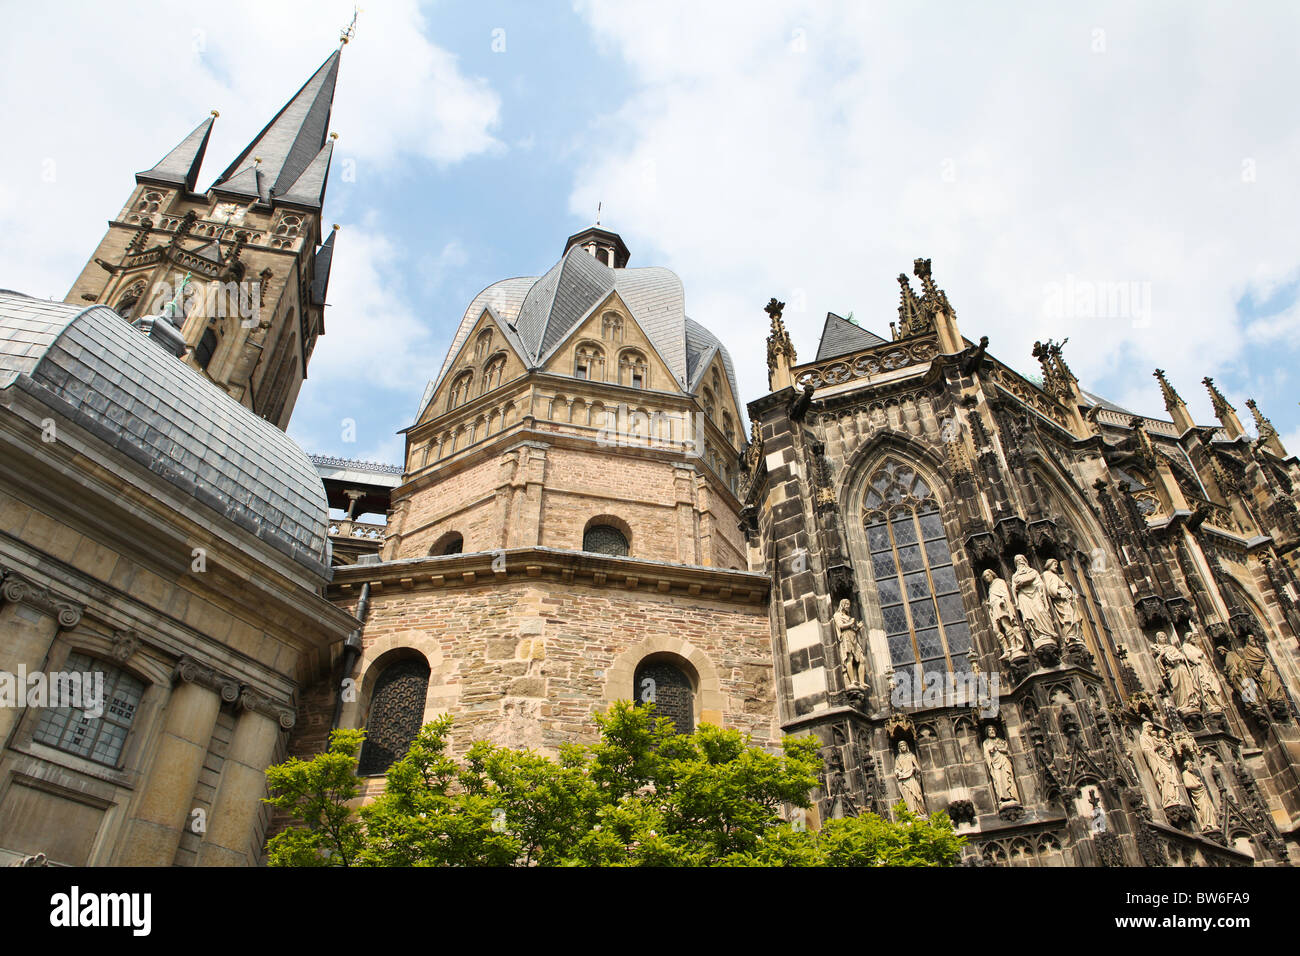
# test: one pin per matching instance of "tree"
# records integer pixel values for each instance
(644, 795)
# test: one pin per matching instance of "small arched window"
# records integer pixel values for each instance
(633, 369)
(666, 685)
(728, 429)
(482, 345)
(924, 617)
(396, 714)
(204, 351)
(450, 543)
(605, 539)
(492, 373)
(589, 362)
(710, 403)
(130, 300)
(100, 738)
(611, 327)
(460, 390)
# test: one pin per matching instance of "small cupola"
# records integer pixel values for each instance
(607, 247)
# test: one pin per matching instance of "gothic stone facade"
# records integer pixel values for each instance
(1125, 586)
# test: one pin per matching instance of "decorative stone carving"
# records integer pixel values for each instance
(997, 758)
(1160, 760)
(1064, 602)
(1255, 657)
(907, 769)
(849, 631)
(1202, 805)
(1032, 602)
(250, 699)
(1178, 676)
(125, 644)
(192, 672)
(1009, 634)
(19, 590)
(1203, 675)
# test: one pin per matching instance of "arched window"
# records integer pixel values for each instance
(204, 351)
(924, 619)
(126, 305)
(492, 373)
(604, 539)
(98, 738)
(482, 345)
(396, 714)
(666, 685)
(728, 429)
(611, 327)
(449, 543)
(589, 362)
(460, 389)
(633, 369)
(710, 403)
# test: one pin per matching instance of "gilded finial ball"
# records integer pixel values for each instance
(334, 135)
(215, 113)
(336, 227)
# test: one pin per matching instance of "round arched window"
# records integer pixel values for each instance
(669, 689)
(396, 712)
(605, 539)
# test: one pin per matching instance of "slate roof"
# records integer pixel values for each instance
(94, 368)
(289, 144)
(539, 313)
(842, 337)
(181, 165)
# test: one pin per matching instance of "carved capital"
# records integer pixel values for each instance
(192, 671)
(17, 589)
(250, 699)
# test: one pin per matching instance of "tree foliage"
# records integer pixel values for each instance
(643, 795)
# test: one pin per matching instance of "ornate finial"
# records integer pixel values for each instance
(1057, 377)
(933, 299)
(214, 114)
(1171, 397)
(1262, 424)
(336, 227)
(778, 345)
(773, 308)
(598, 208)
(334, 135)
(911, 320)
(350, 30)
(1145, 448)
(1221, 406)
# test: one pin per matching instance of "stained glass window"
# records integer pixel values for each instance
(911, 560)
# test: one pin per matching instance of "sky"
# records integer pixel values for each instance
(1124, 176)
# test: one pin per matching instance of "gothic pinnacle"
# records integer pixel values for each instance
(1225, 413)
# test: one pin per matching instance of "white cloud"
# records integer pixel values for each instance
(811, 153)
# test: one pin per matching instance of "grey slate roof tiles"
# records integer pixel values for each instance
(181, 165)
(94, 368)
(842, 337)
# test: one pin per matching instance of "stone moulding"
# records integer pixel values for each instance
(17, 589)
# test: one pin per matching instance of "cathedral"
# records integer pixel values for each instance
(1071, 628)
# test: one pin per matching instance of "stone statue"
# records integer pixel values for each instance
(1203, 674)
(1003, 616)
(1255, 657)
(998, 759)
(908, 771)
(1033, 603)
(1064, 601)
(1239, 675)
(1160, 759)
(849, 631)
(1173, 665)
(1201, 801)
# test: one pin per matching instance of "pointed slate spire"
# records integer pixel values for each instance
(181, 166)
(842, 337)
(320, 269)
(309, 188)
(291, 143)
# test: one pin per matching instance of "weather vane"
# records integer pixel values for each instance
(598, 205)
(351, 30)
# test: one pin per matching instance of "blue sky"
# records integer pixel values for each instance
(807, 151)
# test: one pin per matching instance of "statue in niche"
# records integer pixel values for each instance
(1160, 760)
(1201, 802)
(1002, 614)
(1173, 666)
(1239, 675)
(849, 631)
(908, 771)
(997, 758)
(1255, 657)
(1064, 601)
(1033, 603)
(1203, 674)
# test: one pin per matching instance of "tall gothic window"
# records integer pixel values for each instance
(396, 713)
(100, 738)
(925, 622)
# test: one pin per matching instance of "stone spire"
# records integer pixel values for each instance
(1267, 433)
(1225, 413)
(1174, 403)
(180, 167)
(780, 350)
(291, 144)
(911, 320)
(936, 311)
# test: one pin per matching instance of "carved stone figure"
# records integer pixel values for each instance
(908, 771)
(1003, 616)
(1033, 603)
(1173, 665)
(1201, 801)
(1203, 674)
(1064, 601)
(849, 631)
(1261, 668)
(1239, 675)
(1160, 759)
(998, 759)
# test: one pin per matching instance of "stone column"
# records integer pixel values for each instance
(166, 797)
(30, 618)
(232, 823)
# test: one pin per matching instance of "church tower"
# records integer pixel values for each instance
(243, 267)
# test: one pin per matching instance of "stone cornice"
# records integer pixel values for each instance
(519, 565)
(19, 590)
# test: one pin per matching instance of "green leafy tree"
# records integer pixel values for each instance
(643, 795)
